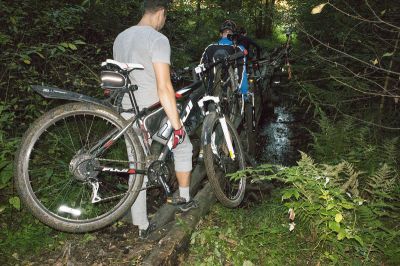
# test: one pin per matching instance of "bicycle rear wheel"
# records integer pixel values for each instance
(56, 173)
(219, 164)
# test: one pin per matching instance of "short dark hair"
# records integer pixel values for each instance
(155, 5)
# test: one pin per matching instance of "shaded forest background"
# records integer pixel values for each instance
(346, 69)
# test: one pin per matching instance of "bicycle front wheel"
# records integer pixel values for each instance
(219, 163)
(61, 178)
(226, 88)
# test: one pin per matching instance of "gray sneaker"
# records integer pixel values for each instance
(144, 233)
(191, 204)
(182, 204)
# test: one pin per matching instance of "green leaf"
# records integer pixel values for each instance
(6, 173)
(334, 226)
(347, 206)
(79, 42)
(13, 20)
(2, 208)
(359, 240)
(15, 202)
(49, 173)
(330, 206)
(338, 217)
(64, 44)
(27, 61)
(387, 54)
(341, 235)
(72, 46)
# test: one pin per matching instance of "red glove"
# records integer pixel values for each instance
(179, 137)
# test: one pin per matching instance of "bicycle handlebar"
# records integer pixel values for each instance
(203, 67)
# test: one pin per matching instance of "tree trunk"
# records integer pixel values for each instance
(198, 14)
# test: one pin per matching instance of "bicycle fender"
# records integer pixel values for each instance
(206, 131)
(56, 93)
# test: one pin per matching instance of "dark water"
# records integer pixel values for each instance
(282, 134)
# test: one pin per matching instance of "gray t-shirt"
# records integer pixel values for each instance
(143, 45)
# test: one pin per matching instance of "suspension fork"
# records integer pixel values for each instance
(253, 112)
(207, 131)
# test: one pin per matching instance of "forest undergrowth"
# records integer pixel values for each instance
(336, 213)
(338, 205)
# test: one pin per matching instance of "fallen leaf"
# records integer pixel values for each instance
(375, 62)
(318, 9)
(292, 215)
(291, 226)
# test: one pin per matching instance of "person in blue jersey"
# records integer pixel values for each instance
(227, 45)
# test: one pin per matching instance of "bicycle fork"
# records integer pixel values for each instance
(208, 131)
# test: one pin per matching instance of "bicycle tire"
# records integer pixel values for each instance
(225, 87)
(250, 136)
(222, 185)
(49, 144)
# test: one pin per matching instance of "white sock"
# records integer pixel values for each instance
(184, 193)
(143, 226)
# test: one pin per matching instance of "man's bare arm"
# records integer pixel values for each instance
(166, 93)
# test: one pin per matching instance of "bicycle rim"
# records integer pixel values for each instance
(220, 165)
(62, 175)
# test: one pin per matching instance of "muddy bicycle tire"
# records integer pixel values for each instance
(229, 193)
(51, 147)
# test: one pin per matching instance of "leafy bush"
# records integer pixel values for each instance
(348, 140)
(349, 210)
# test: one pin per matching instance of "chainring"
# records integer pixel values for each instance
(156, 170)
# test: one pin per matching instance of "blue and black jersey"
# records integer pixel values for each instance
(221, 49)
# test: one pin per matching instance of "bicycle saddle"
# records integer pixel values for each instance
(123, 66)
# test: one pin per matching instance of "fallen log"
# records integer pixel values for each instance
(178, 237)
(167, 212)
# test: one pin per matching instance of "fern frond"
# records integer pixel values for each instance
(352, 183)
(305, 160)
(381, 184)
(391, 152)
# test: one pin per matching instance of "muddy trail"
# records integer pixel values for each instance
(282, 132)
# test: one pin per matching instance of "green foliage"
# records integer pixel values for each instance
(348, 140)
(7, 148)
(27, 240)
(348, 209)
(249, 237)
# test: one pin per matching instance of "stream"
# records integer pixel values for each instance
(282, 133)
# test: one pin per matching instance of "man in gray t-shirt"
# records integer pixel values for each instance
(144, 44)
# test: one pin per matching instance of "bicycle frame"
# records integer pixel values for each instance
(203, 100)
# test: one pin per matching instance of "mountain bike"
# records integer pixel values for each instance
(262, 73)
(238, 106)
(80, 166)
